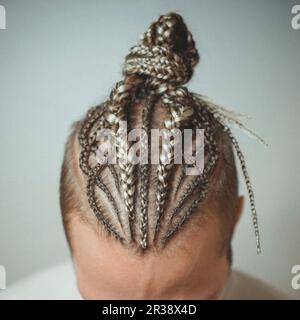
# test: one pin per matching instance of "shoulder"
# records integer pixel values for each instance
(241, 286)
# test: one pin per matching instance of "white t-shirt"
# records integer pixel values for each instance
(59, 283)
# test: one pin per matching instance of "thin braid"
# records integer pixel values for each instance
(249, 187)
(109, 197)
(181, 178)
(173, 230)
(93, 115)
(114, 174)
(97, 211)
(97, 169)
(221, 119)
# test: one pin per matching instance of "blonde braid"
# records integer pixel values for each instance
(181, 110)
(144, 174)
(120, 98)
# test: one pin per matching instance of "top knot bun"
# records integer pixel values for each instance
(166, 53)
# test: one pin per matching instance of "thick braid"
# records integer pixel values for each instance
(144, 174)
(120, 98)
(181, 110)
(164, 167)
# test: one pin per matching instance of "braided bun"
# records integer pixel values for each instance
(166, 54)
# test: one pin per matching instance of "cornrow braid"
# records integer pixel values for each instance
(173, 230)
(121, 96)
(93, 115)
(99, 183)
(97, 211)
(203, 120)
(87, 141)
(113, 172)
(181, 112)
(144, 174)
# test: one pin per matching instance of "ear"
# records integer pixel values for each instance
(239, 209)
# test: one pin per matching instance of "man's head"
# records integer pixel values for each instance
(150, 230)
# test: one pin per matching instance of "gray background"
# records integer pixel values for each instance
(57, 58)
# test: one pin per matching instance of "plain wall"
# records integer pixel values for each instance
(58, 58)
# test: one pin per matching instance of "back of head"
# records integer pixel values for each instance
(144, 205)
